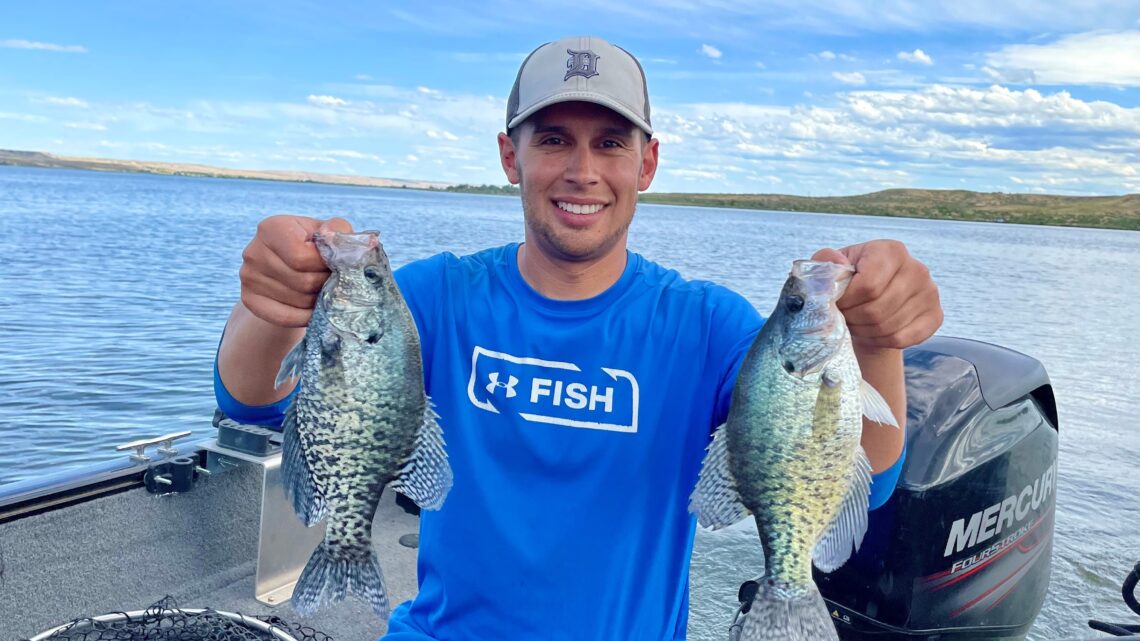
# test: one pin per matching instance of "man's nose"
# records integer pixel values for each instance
(581, 167)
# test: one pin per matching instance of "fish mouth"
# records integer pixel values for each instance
(340, 250)
(822, 278)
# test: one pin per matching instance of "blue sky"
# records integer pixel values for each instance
(807, 97)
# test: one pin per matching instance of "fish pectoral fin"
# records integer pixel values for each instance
(875, 407)
(426, 477)
(291, 364)
(845, 532)
(308, 503)
(715, 500)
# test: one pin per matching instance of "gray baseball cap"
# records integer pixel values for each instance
(580, 68)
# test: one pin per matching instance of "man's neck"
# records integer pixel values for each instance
(570, 280)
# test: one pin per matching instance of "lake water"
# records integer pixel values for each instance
(116, 288)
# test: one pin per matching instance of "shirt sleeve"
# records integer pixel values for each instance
(883, 484)
(735, 324)
(272, 415)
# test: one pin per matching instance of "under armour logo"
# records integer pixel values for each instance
(581, 63)
(495, 383)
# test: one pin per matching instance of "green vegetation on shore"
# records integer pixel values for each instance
(497, 190)
(1107, 212)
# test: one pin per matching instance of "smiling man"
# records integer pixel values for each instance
(577, 383)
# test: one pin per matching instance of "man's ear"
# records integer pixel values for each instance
(509, 158)
(648, 164)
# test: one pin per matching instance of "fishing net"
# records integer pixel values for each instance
(165, 621)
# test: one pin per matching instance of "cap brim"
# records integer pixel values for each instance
(582, 96)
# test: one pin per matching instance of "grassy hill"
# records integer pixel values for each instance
(1109, 212)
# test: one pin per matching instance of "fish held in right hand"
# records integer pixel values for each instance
(790, 455)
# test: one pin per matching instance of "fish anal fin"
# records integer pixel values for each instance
(844, 534)
(715, 500)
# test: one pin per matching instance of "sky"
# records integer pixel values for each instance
(807, 97)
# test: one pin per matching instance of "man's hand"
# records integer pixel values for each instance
(891, 301)
(282, 271)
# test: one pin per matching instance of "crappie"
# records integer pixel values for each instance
(360, 421)
(789, 453)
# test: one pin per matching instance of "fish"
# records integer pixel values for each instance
(789, 454)
(360, 421)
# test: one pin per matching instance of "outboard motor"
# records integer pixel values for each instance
(962, 549)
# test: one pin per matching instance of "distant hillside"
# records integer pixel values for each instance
(1110, 212)
(38, 159)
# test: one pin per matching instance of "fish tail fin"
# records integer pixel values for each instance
(774, 616)
(329, 579)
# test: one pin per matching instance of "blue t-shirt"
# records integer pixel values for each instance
(575, 431)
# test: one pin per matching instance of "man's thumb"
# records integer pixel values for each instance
(831, 256)
(338, 225)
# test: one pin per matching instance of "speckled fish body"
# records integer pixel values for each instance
(790, 454)
(359, 422)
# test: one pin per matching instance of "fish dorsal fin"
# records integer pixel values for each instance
(875, 407)
(426, 477)
(845, 532)
(715, 500)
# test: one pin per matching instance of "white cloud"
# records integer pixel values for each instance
(996, 108)
(90, 126)
(933, 137)
(1092, 58)
(761, 65)
(711, 52)
(327, 101)
(918, 55)
(63, 102)
(363, 77)
(435, 93)
(442, 135)
(695, 174)
(42, 46)
(831, 55)
(853, 78)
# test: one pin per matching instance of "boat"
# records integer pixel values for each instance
(182, 527)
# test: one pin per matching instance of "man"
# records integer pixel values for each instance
(577, 383)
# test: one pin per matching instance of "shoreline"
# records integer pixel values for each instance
(1093, 212)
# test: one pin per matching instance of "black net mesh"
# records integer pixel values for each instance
(165, 621)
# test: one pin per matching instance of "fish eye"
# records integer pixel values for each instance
(794, 303)
(373, 274)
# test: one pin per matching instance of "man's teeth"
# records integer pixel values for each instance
(579, 209)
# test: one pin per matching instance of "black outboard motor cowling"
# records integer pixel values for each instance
(962, 549)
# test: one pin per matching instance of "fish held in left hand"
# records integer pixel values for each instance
(360, 421)
(790, 455)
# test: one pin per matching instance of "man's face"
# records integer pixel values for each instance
(579, 167)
